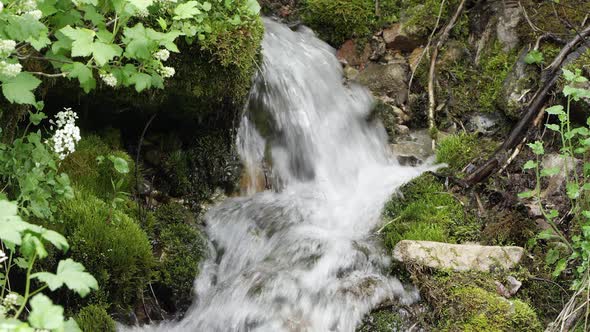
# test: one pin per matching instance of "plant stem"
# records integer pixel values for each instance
(27, 287)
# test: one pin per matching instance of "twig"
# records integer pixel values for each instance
(387, 224)
(64, 74)
(431, 74)
(140, 143)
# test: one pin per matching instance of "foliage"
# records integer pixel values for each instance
(425, 211)
(458, 150)
(383, 320)
(29, 173)
(110, 243)
(337, 21)
(87, 172)
(95, 318)
(566, 251)
(182, 248)
(25, 244)
(125, 42)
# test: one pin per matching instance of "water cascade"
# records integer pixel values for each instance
(304, 256)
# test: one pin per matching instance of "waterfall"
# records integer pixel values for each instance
(304, 256)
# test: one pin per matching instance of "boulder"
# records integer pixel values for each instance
(387, 80)
(396, 38)
(458, 257)
(353, 54)
(518, 88)
(507, 28)
(485, 123)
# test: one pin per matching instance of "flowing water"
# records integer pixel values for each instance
(304, 256)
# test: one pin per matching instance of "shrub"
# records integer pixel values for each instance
(111, 244)
(86, 173)
(94, 318)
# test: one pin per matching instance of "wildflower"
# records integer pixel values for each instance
(2, 256)
(162, 55)
(35, 14)
(167, 72)
(10, 69)
(142, 13)
(1, 6)
(67, 134)
(109, 79)
(10, 300)
(7, 46)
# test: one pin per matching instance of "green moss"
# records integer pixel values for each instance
(181, 248)
(458, 150)
(383, 320)
(420, 16)
(339, 20)
(475, 309)
(94, 318)
(85, 171)
(112, 246)
(425, 211)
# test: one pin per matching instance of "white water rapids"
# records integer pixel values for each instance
(303, 257)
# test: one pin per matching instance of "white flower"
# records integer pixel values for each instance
(36, 14)
(2, 256)
(109, 79)
(167, 72)
(7, 46)
(10, 300)
(142, 13)
(162, 55)
(1, 6)
(10, 69)
(67, 134)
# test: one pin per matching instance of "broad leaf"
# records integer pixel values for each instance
(44, 314)
(70, 273)
(19, 89)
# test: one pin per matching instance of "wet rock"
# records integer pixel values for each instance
(517, 89)
(397, 38)
(485, 123)
(556, 182)
(387, 80)
(507, 28)
(458, 257)
(379, 48)
(510, 288)
(414, 148)
(351, 73)
(353, 53)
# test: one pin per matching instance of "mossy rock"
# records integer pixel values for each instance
(384, 320)
(181, 248)
(339, 20)
(425, 211)
(111, 245)
(87, 173)
(94, 318)
(475, 309)
(457, 151)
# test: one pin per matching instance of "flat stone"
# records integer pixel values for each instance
(458, 257)
(389, 79)
(350, 52)
(397, 39)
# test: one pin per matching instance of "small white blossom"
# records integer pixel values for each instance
(162, 55)
(2, 256)
(109, 79)
(142, 13)
(27, 6)
(167, 72)
(10, 69)
(36, 14)
(67, 134)
(1, 6)
(7, 46)
(10, 300)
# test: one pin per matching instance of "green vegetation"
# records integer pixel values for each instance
(426, 211)
(457, 151)
(95, 318)
(383, 320)
(339, 20)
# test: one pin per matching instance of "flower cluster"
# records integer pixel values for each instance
(29, 7)
(109, 79)
(162, 55)
(10, 69)
(167, 72)
(67, 133)
(35, 14)
(10, 300)
(6, 47)
(2, 256)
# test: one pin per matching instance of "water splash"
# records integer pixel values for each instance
(301, 258)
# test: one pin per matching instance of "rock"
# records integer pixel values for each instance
(507, 28)
(389, 79)
(351, 73)
(458, 257)
(517, 88)
(414, 148)
(555, 182)
(397, 39)
(414, 58)
(354, 56)
(379, 48)
(485, 123)
(512, 286)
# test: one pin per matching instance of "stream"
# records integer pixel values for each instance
(304, 256)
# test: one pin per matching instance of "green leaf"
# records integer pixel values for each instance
(530, 165)
(532, 57)
(561, 265)
(550, 171)
(162, 23)
(568, 75)
(19, 89)
(526, 194)
(70, 325)
(103, 53)
(58, 240)
(81, 40)
(546, 234)
(573, 190)
(36, 118)
(142, 81)
(555, 110)
(11, 225)
(70, 273)
(120, 164)
(537, 147)
(552, 256)
(82, 73)
(44, 314)
(31, 245)
(186, 10)
(553, 127)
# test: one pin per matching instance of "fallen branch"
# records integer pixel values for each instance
(549, 78)
(431, 73)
